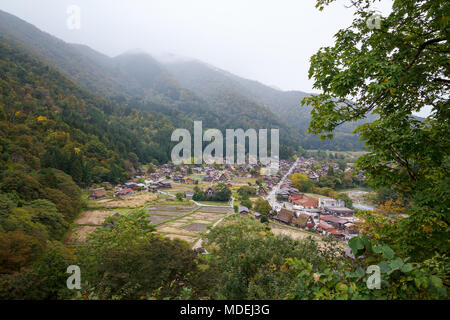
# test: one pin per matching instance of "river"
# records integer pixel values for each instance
(358, 200)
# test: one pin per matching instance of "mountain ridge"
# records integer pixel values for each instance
(204, 92)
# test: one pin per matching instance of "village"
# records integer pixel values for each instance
(167, 194)
(324, 215)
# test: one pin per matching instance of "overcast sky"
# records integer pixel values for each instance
(266, 40)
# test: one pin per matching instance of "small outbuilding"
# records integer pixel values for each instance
(243, 210)
(97, 193)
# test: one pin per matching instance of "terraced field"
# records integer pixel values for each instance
(186, 225)
(173, 219)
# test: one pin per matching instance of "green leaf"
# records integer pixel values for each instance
(384, 267)
(360, 272)
(387, 252)
(366, 242)
(357, 246)
(396, 264)
(436, 281)
(407, 267)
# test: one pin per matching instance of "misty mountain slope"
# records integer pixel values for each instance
(159, 91)
(223, 109)
(49, 121)
(229, 99)
(207, 81)
(101, 74)
(223, 95)
(150, 76)
(182, 91)
(210, 82)
(80, 66)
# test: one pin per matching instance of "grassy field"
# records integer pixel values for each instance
(214, 203)
(172, 218)
(353, 155)
(191, 226)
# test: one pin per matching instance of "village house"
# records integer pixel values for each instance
(330, 202)
(189, 195)
(303, 221)
(210, 192)
(313, 213)
(303, 201)
(124, 192)
(337, 223)
(154, 176)
(164, 184)
(257, 215)
(323, 227)
(97, 193)
(338, 211)
(208, 179)
(261, 191)
(285, 186)
(328, 230)
(243, 210)
(313, 176)
(224, 177)
(336, 234)
(285, 216)
(293, 190)
(282, 193)
(178, 178)
(131, 185)
(331, 228)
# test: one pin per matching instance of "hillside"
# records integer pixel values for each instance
(141, 82)
(49, 121)
(181, 90)
(211, 83)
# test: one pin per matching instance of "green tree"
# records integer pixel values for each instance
(180, 196)
(51, 269)
(18, 250)
(348, 201)
(302, 182)
(252, 261)
(222, 192)
(150, 169)
(250, 191)
(247, 203)
(392, 72)
(262, 206)
(129, 261)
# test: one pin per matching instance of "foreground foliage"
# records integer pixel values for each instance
(393, 71)
(129, 261)
(255, 264)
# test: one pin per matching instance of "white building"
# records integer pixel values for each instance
(330, 202)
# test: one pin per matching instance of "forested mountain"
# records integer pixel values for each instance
(182, 91)
(49, 121)
(208, 81)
